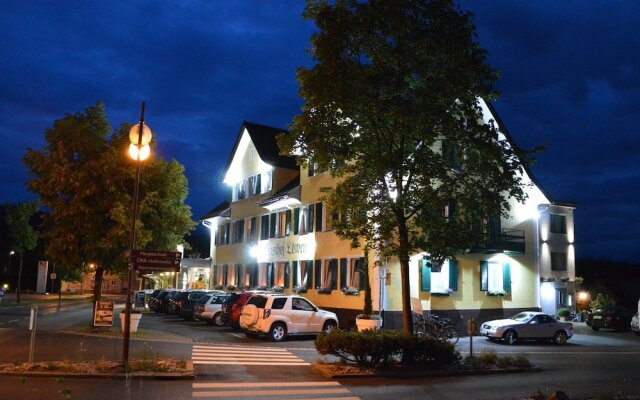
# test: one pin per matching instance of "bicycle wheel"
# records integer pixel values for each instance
(419, 328)
(449, 333)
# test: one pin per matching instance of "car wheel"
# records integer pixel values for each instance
(595, 328)
(560, 337)
(329, 326)
(510, 336)
(278, 332)
(217, 319)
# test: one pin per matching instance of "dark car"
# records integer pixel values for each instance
(152, 298)
(232, 307)
(177, 301)
(162, 301)
(155, 302)
(614, 317)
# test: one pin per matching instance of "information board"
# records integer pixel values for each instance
(103, 313)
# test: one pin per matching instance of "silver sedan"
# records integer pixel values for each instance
(528, 325)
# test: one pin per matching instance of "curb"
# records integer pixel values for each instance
(435, 374)
(188, 374)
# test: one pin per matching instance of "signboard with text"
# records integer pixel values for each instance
(156, 261)
(103, 313)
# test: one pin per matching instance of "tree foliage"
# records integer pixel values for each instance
(85, 178)
(391, 109)
(21, 235)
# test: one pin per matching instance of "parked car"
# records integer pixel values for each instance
(613, 317)
(176, 301)
(152, 297)
(210, 310)
(163, 299)
(279, 315)
(635, 324)
(159, 300)
(528, 325)
(188, 305)
(232, 307)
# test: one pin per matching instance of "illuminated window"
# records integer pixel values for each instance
(495, 277)
(352, 273)
(327, 275)
(266, 181)
(440, 280)
(302, 273)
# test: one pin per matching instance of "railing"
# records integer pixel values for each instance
(508, 240)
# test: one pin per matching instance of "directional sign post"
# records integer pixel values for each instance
(156, 261)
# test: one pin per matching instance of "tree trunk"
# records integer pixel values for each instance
(97, 284)
(19, 279)
(403, 256)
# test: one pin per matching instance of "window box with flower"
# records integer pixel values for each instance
(496, 293)
(300, 289)
(350, 291)
(278, 289)
(441, 293)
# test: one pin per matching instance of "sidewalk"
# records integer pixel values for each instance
(27, 299)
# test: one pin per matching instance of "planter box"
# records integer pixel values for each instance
(133, 326)
(364, 324)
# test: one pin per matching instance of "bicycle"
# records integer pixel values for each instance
(434, 326)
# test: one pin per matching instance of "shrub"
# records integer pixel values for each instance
(563, 312)
(379, 348)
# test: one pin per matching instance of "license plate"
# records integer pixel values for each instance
(597, 317)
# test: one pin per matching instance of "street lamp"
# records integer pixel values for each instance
(140, 137)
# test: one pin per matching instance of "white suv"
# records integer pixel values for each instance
(279, 315)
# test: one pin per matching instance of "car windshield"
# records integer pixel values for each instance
(523, 316)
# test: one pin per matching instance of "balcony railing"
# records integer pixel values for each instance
(507, 241)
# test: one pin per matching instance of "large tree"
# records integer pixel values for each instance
(22, 237)
(391, 108)
(85, 178)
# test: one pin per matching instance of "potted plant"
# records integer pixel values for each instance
(564, 313)
(136, 315)
(367, 320)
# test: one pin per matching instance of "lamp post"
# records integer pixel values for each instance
(140, 137)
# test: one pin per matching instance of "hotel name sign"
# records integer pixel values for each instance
(287, 249)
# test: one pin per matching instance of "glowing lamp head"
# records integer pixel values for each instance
(139, 154)
(134, 135)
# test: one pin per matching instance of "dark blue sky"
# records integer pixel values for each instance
(570, 80)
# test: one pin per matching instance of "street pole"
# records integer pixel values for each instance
(132, 244)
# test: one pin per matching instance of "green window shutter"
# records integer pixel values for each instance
(310, 218)
(318, 217)
(425, 276)
(294, 267)
(287, 275)
(343, 273)
(333, 266)
(484, 276)
(296, 220)
(506, 277)
(453, 275)
(317, 273)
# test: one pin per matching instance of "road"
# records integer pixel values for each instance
(229, 365)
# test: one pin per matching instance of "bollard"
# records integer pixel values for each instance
(33, 321)
(471, 329)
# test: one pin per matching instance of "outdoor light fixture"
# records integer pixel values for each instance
(140, 137)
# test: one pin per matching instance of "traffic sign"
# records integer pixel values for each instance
(151, 261)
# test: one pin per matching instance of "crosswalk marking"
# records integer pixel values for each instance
(326, 389)
(237, 355)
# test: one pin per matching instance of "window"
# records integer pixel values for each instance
(278, 303)
(495, 277)
(253, 185)
(442, 280)
(561, 296)
(264, 227)
(306, 219)
(300, 304)
(252, 275)
(238, 231)
(251, 229)
(237, 276)
(328, 275)
(314, 168)
(352, 273)
(266, 181)
(558, 261)
(558, 223)
(225, 233)
(302, 274)
(284, 223)
(241, 190)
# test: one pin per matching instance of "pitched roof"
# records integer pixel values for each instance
(217, 211)
(264, 139)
